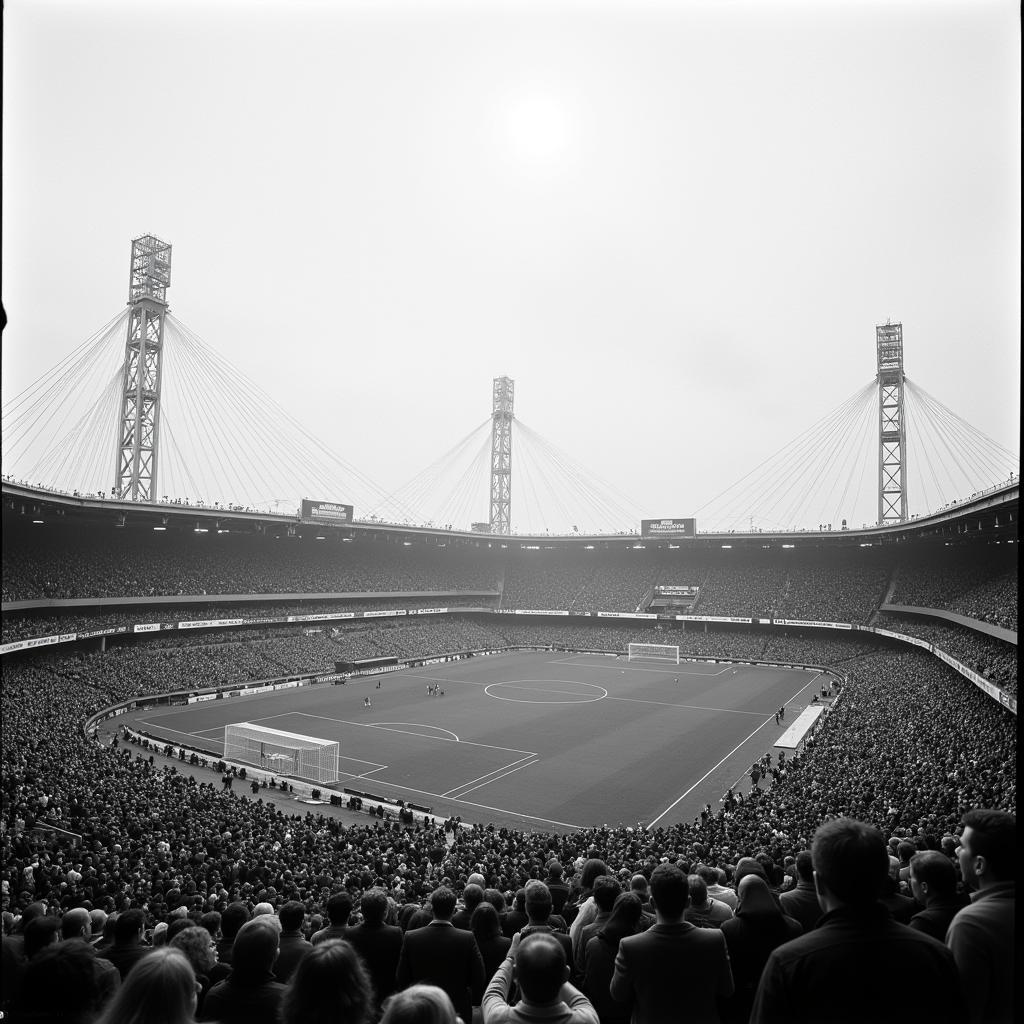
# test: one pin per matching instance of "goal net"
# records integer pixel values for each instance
(282, 753)
(654, 652)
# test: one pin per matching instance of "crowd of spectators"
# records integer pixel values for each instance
(909, 748)
(989, 656)
(979, 582)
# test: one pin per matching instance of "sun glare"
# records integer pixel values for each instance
(537, 130)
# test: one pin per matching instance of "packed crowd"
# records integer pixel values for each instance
(908, 749)
(979, 583)
(990, 657)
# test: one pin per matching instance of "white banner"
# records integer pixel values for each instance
(321, 616)
(389, 612)
(809, 622)
(627, 615)
(146, 627)
(539, 611)
(200, 623)
(203, 696)
(427, 611)
(711, 618)
(287, 686)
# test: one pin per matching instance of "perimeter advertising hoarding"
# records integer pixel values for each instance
(670, 528)
(329, 512)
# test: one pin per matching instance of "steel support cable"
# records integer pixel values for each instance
(978, 448)
(954, 442)
(424, 481)
(822, 450)
(313, 441)
(191, 395)
(467, 489)
(82, 353)
(858, 395)
(102, 430)
(172, 448)
(55, 458)
(833, 457)
(528, 471)
(601, 493)
(562, 473)
(969, 427)
(780, 479)
(531, 489)
(863, 453)
(25, 426)
(911, 414)
(850, 449)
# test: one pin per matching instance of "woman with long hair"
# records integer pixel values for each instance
(599, 957)
(330, 986)
(420, 1004)
(486, 928)
(161, 988)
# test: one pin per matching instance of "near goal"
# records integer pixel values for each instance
(282, 753)
(654, 652)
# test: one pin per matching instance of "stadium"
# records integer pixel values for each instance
(731, 738)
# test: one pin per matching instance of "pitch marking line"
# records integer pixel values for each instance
(510, 771)
(688, 707)
(462, 785)
(651, 824)
(418, 735)
(442, 679)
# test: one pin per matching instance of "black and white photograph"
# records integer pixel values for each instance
(405, 404)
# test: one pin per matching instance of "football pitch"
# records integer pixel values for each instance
(546, 740)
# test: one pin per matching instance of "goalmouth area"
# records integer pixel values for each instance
(544, 740)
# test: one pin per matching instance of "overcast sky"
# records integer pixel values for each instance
(675, 225)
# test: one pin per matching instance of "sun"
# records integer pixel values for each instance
(538, 130)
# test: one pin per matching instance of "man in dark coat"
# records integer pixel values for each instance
(294, 945)
(673, 971)
(127, 949)
(933, 883)
(378, 944)
(858, 964)
(443, 955)
(250, 995)
(802, 903)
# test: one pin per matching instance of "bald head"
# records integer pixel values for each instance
(541, 968)
(76, 924)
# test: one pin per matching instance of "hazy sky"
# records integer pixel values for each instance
(675, 225)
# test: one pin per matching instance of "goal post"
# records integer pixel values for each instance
(282, 753)
(654, 652)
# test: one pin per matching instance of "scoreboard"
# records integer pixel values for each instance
(672, 529)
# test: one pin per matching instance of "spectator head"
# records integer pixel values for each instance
(198, 945)
(177, 926)
(592, 869)
(905, 851)
(128, 927)
(555, 871)
(477, 879)
(60, 983)
(32, 911)
(374, 906)
(211, 922)
(754, 897)
(76, 924)
(485, 923)
(932, 877)
(419, 1004)
(496, 900)
(623, 919)
(851, 863)
(948, 846)
(160, 934)
(255, 949)
(40, 932)
(805, 866)
(519, 901)
(339, 909)
(292, 914)
(606, 889)
(669, 892)
(988, 848)
(541, 968)
(472, 896)
(234, 916)
(160, 987)
(749, 866)
(262, 908)
(405, 915)
(330, 983)
(442, 903)
(640, 885)
(98, 919)
(708, 873)
(537, 900)
(698, 890)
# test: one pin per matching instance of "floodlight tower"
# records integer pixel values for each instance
(892, 425)
(139, 428)
(503, 394)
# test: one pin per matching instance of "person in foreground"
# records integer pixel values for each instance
(538, 963)
(981, 935)
(420, 1004)
(160, 987)
(673, 971)
(858, 964)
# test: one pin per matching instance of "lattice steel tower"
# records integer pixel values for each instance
(892, 426)
(503, 393)
(138, 433)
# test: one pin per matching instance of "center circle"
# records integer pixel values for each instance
(533, 691)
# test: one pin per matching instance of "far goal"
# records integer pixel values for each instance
(282, 753)
(654, 652)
